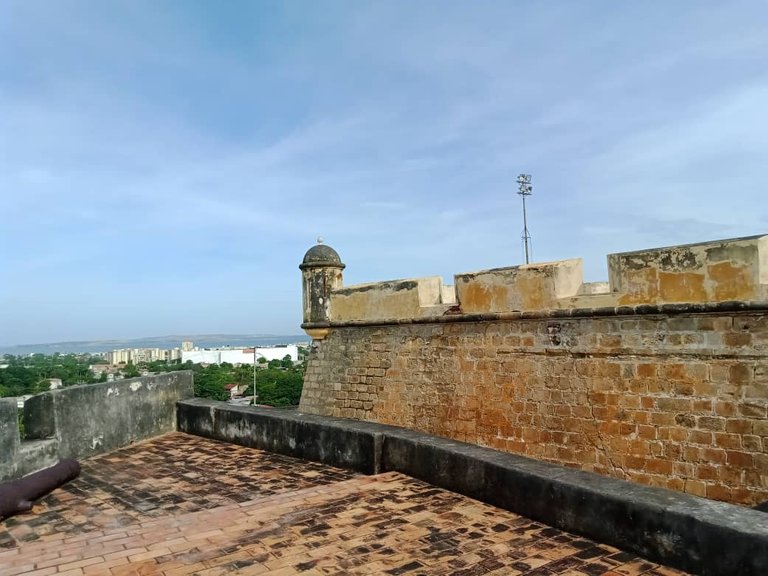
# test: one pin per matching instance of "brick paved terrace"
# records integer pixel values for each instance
(181, 504)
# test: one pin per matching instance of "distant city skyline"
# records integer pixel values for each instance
(152, 343)
(164, 166)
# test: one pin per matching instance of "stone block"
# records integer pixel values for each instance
(530, 287)
(9, 436)
(392, 300)
(721, 271)
(39, 418)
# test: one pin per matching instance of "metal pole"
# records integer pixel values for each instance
(254, 375)
(525, 189)
(526, 236)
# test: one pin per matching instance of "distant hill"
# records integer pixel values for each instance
(173, 341)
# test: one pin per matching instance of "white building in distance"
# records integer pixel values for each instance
(239, 355)
(137, 355)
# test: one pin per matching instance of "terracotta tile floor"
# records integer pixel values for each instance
(180, 504)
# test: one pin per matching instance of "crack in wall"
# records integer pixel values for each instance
(603, 447)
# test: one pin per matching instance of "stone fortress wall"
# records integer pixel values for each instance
(659, 376)
(82, 421)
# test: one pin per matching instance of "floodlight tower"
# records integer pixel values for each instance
(525, 189)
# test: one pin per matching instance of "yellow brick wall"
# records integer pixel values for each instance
(676, 401)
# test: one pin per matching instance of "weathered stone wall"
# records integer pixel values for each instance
(667, 400)
(9, 435)
(81, 421)
(659, 376)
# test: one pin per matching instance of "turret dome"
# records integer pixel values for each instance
(321, 255)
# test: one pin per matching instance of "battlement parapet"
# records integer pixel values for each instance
(519, 288)
(719, 271)
(704, 273)
(396, 299)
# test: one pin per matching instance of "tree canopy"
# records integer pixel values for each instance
(277, 384)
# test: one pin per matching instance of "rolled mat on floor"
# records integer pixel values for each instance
(19, 495)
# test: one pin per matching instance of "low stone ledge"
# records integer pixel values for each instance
(333, 441)
(694, 534)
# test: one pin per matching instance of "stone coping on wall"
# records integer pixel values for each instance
(638, 310)
(708, 272)
(698, 535)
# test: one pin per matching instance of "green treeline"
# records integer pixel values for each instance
(29, 374)
(278, 382)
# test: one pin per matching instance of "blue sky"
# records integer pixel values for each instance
(165, 165)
